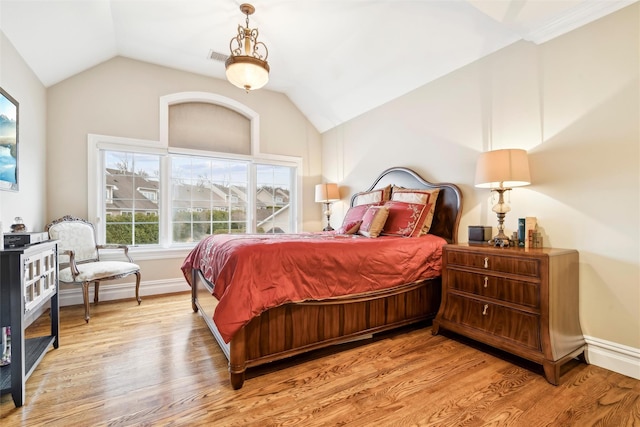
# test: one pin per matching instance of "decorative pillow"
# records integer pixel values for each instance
(410, 195)
(373, 221)
(373, 196)
(355, 213)
(349, 227)
(405, 219)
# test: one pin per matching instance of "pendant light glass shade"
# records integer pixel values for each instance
(247, 72)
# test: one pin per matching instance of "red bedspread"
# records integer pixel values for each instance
(252, 273)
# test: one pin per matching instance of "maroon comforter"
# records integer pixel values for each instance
(252, 273)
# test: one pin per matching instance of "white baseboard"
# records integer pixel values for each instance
(615, 357)
(110, 292)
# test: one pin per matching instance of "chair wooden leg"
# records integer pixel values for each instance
(96, 289)
(85, 298)
(138, 288)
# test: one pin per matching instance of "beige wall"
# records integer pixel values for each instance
(121, 98)
(573, 103)
(17, 79)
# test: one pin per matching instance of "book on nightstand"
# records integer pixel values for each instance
(530, 225)
(521, 234)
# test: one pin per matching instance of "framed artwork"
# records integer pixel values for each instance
(8, 142)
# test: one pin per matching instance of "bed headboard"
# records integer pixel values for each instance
(446, 217)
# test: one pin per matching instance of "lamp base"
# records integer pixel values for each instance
(501, 209)
(327, 212)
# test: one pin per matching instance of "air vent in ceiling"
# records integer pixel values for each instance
(217, 56)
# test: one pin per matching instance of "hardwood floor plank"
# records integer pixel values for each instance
(157, 365)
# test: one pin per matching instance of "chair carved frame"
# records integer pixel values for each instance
(73, 264)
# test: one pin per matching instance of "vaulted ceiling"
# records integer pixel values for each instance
(335, 59)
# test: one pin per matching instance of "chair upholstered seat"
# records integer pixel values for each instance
(99, 270)
(79, 258)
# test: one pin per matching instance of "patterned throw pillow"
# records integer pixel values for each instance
(373, 221)
(409, 195)
(405, 219)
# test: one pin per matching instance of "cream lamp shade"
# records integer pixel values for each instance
(503, 169)
(326, 193)
(500, 170)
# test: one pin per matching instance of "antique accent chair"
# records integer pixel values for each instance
(79, 258)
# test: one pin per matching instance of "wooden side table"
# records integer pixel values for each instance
(523, 301)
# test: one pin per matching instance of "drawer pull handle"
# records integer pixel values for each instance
(486, 262)
(486, 281)
(484, 310)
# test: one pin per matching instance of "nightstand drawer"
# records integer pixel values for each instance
(508, 324)
(498, 263)
(514, 291)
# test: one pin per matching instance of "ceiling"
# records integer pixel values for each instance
(335, 59)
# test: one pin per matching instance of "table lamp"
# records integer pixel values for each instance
(500, 170)
(327, 194)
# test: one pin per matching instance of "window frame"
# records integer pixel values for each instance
(166, 249)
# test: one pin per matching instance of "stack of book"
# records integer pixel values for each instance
(528, 235)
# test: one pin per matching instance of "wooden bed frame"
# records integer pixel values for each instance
(296, 328)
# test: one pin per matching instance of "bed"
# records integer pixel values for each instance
(341, 298)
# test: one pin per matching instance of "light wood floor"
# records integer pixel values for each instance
(156, 364)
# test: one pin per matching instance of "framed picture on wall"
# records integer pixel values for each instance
(8, 142)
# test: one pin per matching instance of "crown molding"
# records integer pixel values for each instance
(576, 17)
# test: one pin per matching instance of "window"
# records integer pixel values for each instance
(273, 194)
(196, 195)
(132, 217)
(208, 196)
(109, 195)
(149, 193)
(152, 194)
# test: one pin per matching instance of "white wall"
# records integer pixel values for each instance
(17, 79)
(573, 103)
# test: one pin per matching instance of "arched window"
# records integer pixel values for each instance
(205, 175)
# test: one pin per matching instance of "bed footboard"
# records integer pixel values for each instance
(296, 328)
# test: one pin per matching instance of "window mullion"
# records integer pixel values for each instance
(165, 202)
(251, 198)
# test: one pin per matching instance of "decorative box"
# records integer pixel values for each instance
(479, 234)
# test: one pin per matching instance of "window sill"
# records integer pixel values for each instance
(147, 254)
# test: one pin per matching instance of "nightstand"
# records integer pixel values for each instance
(522, 301)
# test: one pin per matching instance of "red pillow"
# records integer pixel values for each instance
(356, 213)
(405, 219)
(418, 196)
(349, 227)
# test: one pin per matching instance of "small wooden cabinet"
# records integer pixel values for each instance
(28, 280)
(523, 301)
